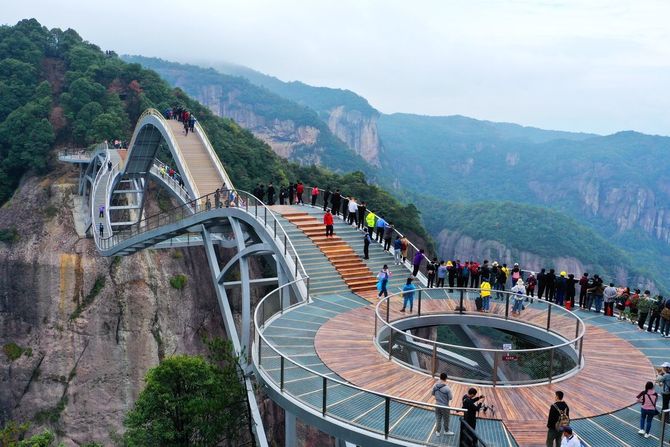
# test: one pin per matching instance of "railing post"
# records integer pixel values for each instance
(461, 305)
(284, 244)
(281, 373)
(275, 229)
(420, 293)
(296, 266)
(265, 215)
(387, 416)
(324, 396)
(581, 346)
(506, 307)
(664, 416)
(549, 316)
(577, 331)
(260, 341)
(256, 210)
(495, 369)
(388, 309)
(391, 343)
(434, 369)
(551, 365)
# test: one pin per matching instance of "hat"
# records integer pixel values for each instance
(567, 429)
(516, 264)
(519, 282)
(665, 365)
(563, 273)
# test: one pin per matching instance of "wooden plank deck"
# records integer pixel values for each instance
(613, 374)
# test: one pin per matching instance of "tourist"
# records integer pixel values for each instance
(485, 293)
(569, 439)
(366, 244)
(597, 293)
(516, 273)
(643, 308)
(404, 245)
(633, 312)
(101, 228)
(335, 202)
(408, 295)
(328, 222)
(326, 197)
(291, 194)
(380, 225)
(441, 273)
(431, 270)
(315, 195)
(360, 220)
(370, 222)
(465, 274)
(443, 396)
(451, 273)
(663, 379)
(282, 195)
(101, 211)
(472, 407)
(647, 400)
(559, 418)
(416, 262)
(397, 250)
(459, 273)
(550, 284)
(570, 289)
(609, 296)
(531, 282)
(665, 319)
(191, 123)
(299, 190)
(271, 194)
(383, 276)
(583, 286)
(474, 274)
(500, 282)
(345, 208)
(217, 198)
(208, 204)
(389, 230)
(655, 313)
(541, 285)
(561, 287)
(353, 211)
(261, 192)
(519, 291)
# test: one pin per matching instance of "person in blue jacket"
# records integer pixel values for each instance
(408, 295)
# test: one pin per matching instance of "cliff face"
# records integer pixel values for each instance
(82, 374)
(358, 131)
(455, 245)
(283, 136)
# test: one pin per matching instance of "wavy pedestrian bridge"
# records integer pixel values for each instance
(332, 354)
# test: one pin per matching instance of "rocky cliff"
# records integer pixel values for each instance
(78, 331)
(455, 245)
(358, 131)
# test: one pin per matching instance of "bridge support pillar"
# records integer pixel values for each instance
(289, 429)
(245, 290)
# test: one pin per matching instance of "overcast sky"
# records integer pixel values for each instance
(582, 65)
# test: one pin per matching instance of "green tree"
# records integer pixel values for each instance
(13, 435)
(187, 401)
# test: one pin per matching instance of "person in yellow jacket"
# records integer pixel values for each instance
(485, 293)
(370, 220)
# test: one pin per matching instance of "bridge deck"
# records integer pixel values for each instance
(203, 169)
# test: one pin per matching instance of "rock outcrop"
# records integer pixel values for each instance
(358, 131)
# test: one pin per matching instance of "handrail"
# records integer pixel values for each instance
(212, 154)
(259, 331)
(181, 191)
(199, 205)
(98, 178)
(382, 322)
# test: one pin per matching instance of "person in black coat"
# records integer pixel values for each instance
(326, 197)
(291, 193)
(472, 407)
(271, 194)
(541, 283)
(361, 215)
(335, 202)
(282, 195)
(550, 283)
(345, 208)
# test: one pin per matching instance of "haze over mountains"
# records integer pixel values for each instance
(613, 191)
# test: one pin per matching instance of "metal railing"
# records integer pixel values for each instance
(168, 180)
(241, 200)
(498, 366)
(382, 411)
(212, 154)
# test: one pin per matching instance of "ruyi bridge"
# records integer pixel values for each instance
(327, 350)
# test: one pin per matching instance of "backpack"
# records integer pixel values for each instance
(563, 418)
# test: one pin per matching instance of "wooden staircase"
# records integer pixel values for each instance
(358, 277)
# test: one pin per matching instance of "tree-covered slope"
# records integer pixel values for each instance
(67, 92)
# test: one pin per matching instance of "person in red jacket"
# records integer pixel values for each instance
(298, 192)
(328, 222)
(315, 195)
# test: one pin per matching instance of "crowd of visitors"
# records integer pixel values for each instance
(182, 115)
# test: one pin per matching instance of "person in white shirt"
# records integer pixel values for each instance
(353, 211)
(569, 438)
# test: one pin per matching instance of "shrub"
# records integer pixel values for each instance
(9, 235)
(13, 351)
(178, 281)
(88, 299)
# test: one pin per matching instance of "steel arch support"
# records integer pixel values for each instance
(245, 252)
